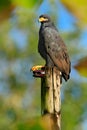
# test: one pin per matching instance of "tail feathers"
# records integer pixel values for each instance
(65, 76)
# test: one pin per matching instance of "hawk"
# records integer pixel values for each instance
(52, 48)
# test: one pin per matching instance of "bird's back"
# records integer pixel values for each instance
(57, 50)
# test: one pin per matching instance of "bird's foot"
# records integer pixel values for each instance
(38, 71)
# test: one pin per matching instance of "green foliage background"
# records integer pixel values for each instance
(19, 91)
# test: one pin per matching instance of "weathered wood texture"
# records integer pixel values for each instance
(50, 95)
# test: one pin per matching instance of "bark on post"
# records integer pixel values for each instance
(50, 96)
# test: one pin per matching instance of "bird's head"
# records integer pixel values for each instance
(44, 18)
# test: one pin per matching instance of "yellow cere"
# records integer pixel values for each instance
(42, 19)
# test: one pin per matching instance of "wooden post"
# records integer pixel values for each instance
(50, 96)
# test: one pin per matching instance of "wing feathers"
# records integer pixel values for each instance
(57, 50)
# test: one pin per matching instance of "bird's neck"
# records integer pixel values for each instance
(48, 24)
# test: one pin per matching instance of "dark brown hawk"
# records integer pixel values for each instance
(52, 48)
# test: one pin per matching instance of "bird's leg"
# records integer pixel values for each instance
(49, 62)
(37, 67)
(38, 71)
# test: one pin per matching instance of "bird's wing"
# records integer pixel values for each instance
(57, 50)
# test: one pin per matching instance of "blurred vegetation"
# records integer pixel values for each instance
(19, 91)
(78, 8)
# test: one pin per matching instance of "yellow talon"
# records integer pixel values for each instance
(37, 67)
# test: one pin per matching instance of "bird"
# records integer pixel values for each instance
(52, 48)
